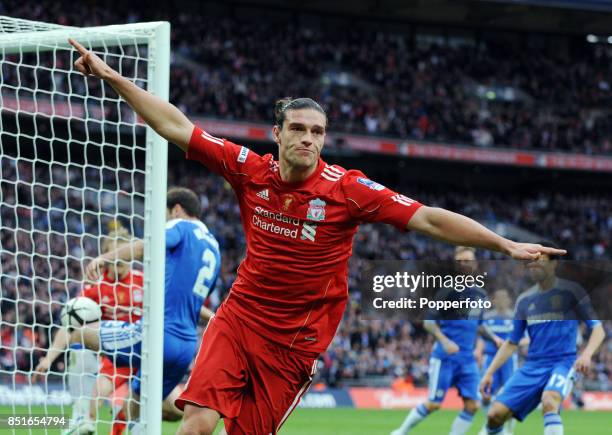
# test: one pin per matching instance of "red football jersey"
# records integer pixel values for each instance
(118, 300)
(292, 285)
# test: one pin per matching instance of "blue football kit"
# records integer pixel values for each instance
(551, 319)
(192, 266)
(460, 369)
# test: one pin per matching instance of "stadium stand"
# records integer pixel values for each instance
(473, 90)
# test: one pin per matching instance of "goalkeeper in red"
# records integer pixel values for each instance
(299, 215)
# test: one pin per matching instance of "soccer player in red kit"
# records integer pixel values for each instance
(299, 215)
(119, 293)
(120, 296)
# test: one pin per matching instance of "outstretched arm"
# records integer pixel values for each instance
(163, 117)
(457, 229)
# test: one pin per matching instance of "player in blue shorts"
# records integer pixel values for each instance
(191, 270)
(452, 361)
(549, 311)
(498, 320)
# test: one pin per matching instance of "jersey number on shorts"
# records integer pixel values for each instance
(207, 272)
(557, 381)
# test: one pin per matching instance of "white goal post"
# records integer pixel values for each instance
(74, 158)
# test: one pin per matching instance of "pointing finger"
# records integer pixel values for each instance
(552, 251)
(82, 50)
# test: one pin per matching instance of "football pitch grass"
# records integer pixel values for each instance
(347, 421)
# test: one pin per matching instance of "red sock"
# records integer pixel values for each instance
(118, 424)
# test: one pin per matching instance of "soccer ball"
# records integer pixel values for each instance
(79, 311)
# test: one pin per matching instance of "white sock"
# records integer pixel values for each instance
(553, 424)
(462, 423)
(511, 426)
(415, 417)
(82, 369)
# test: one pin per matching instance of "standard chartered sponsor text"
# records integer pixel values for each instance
(272, 227)
(277, 216)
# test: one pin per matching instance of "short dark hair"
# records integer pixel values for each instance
(288, 103)
(186, 198)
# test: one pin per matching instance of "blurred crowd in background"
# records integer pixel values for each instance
(485, 91)
(52, 216)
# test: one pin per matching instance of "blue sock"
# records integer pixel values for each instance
(422, 410)
(552, 418)
(494, 430)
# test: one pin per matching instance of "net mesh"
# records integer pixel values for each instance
(18, 25)
(72, 158)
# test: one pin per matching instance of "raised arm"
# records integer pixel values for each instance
(457, 229)
(163, 117)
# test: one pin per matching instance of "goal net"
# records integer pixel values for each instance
(76, 163)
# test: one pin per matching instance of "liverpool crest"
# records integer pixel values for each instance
(316, 210)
